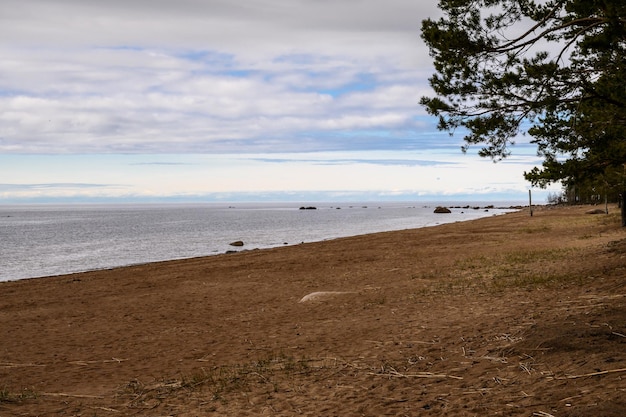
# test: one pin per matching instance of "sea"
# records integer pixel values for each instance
(46, 240)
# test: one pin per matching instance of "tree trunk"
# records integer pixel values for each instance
(623, 204)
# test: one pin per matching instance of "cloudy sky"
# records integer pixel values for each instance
(201, 100)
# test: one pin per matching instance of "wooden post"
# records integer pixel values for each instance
(530, 202)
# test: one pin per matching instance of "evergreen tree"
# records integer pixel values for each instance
(553, 69)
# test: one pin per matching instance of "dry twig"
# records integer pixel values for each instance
(61, 394)
(17, 365)
(397, 374)
(85, 363)
(610, 371)
(112, 410)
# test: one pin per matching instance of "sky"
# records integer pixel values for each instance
(217, 100)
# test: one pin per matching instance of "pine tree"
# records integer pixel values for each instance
(552, 69)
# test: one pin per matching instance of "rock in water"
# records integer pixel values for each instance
(442, 210)
(236, 243)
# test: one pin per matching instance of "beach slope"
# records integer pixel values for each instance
(506, 315)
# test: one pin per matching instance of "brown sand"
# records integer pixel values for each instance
(509, 315)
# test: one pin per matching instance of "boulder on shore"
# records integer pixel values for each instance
(442, 210)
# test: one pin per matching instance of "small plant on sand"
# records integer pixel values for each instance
(532, 280)
(522, 258)
(378, 300)
(521, 269)
(223, 380)
(614, 217)
(6, 396)
(535, 229)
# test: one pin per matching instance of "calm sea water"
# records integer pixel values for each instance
(42, 240)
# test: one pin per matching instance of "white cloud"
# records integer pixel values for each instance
(219, 78)
(163, 76)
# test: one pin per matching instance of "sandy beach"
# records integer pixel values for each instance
(508, 315)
